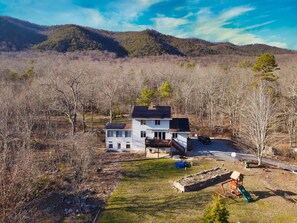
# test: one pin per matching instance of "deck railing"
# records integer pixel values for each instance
(157, 142)
(178, 146)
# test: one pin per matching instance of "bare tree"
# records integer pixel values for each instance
(111, 88)
(211, 90)
(67, 90)
(231, 94)
(289, 110)
(17, 166)
(258, 114)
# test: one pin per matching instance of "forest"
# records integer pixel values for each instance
(53, 108)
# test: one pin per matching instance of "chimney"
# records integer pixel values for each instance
(152, 106)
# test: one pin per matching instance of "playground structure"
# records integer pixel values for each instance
(235, 187)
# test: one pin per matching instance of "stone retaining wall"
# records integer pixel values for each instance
(202, 180)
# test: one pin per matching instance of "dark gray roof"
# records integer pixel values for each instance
(155, 112)
(180, 125)
(115, 126)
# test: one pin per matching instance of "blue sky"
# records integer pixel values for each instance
(272, 22)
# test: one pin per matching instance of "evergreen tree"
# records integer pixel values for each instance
(216, 212)
(28, 74)
(245, 64)
(265, 66)
(146, 97)
(165, 90)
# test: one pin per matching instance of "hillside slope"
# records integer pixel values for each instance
(72, 37)
(17, 35)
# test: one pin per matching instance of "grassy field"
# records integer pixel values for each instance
(146, 194)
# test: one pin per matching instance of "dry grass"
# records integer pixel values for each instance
(146, 194)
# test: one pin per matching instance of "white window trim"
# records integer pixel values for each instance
(142, 134)
(126, 134)
(128, 143)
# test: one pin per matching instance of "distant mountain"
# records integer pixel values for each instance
(72, 37)
(17, 35)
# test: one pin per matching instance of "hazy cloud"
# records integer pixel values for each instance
(211, 26)
(169, 25)
(234, 12)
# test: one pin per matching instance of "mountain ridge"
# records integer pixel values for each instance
(19, 35)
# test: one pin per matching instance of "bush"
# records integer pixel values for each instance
(216, 212)
(286, 153)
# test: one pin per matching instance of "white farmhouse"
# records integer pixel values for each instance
(152, 127)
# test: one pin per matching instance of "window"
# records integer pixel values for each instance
(157, 122)
(143, 134)
(118, 133)
(174, 135)
(119, 145)
(128, 146)
(110, 144)
(160, 135)
(109, 133)
(142, 122)
(127, 134)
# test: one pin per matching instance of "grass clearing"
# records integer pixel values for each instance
(146, 194)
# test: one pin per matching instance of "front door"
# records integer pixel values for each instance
(119, 145)
(160, 135)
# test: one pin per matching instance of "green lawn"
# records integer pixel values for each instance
(146, 194)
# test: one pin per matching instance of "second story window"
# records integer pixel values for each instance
(143, 134)
(127, 134)
(157, 122)
(118, 133)
(142, 122)
(109, 133)
(174, 135)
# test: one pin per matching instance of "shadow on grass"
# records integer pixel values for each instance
(58, 205)
(146, 193)
(157, 207)
(153, 169)
(287, 195)
(139, 160)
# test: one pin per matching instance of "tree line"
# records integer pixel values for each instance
(255, 98)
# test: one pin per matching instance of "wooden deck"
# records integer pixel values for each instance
(157, 143)
(161, 143)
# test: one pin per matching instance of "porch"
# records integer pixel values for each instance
(164, 143)
(157, 143)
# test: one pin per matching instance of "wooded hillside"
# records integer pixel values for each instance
(17, 35)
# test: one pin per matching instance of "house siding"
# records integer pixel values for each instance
(115, 140)
(141, 115)
(182, 138)
(150, 128)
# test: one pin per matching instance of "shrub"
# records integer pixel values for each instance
(216, 212)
